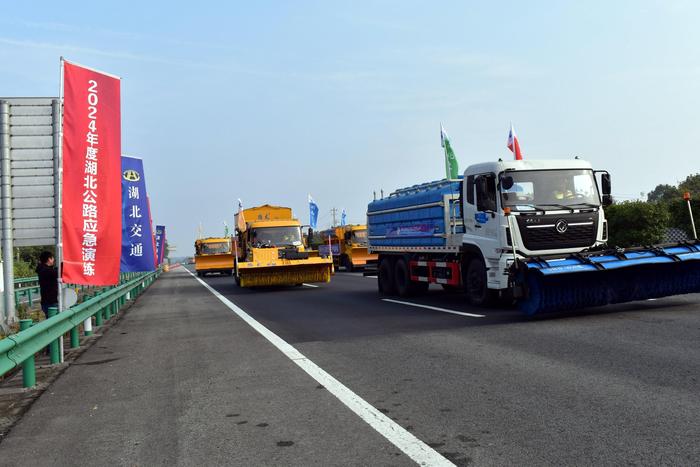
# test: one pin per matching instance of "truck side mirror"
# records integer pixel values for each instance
(605, 181)
(606, 188)
(507, 182)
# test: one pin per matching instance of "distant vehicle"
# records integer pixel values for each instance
(529, 230)
(270, 250)
(213, 255)
(349, 246)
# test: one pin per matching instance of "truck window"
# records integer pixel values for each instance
(485, 192)
(219, 248)
(470, 189)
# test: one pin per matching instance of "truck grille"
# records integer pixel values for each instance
(551, 232)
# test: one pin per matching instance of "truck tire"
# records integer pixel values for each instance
(475, 284)
(385, 277)
(347, 263)
(402, 279)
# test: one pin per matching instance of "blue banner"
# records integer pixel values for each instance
(343, 218)
(160, 242)
(137, 237)
(313, 213)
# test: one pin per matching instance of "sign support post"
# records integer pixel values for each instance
(6, 207)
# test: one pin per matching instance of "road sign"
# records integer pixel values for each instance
(33, 128)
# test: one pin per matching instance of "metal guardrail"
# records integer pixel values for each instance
(27, 289)
(19, 349)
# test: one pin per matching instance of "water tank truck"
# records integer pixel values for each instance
(533, 231)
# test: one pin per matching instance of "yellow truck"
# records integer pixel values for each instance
(269, 250)
(348, 245)
(213, 255)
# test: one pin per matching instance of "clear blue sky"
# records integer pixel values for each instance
(269, 101)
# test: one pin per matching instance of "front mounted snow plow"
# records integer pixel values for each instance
(280, 272)
(606, 277)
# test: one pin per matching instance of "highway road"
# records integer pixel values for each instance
(193, 382)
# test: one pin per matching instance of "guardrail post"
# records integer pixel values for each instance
(99, 314)
(54, 352)
(28, 368)
(74, 338)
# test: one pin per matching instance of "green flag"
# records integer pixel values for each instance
(451, 165)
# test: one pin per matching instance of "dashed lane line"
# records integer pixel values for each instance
(309, 285)
(435, 308)
(413, 447)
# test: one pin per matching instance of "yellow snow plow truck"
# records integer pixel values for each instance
(213, 254)
(269, 251)
(349, 246)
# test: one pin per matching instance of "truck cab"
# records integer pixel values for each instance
(555, 208)
(213, 255)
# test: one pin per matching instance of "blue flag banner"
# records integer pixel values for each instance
(137, 243)
(160, 242)
(343, 218)
(313, 213)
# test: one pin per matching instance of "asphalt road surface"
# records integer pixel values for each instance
(184, 380)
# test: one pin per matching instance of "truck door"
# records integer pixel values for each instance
(485, 220)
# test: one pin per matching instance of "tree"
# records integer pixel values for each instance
(680, 217)
(691, 184)
(636, 223)
(664, 193)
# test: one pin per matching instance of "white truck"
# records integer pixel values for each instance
(532, 230)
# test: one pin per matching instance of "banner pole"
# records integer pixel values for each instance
(58, 164)
(58, 173)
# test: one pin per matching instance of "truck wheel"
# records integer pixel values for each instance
(199, 273)
(475, 284)
(347, 262)
(402, 278)
(385, 277)
(237, 278)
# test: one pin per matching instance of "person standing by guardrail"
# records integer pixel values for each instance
(48, 281)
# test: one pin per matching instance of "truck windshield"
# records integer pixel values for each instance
(220, 248)
(359, 236)
(275, 236)
(547, 189)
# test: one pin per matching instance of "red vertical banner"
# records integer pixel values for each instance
(91, 219)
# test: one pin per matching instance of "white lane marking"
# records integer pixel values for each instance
(309, 285)
(370, 277)
(413, 447)
(444, 310)
(651, 299)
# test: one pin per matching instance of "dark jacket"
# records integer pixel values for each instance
(48, 283)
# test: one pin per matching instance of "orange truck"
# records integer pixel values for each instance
(213, 255)
(270, 251)
(349, 246)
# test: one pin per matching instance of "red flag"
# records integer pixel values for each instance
(513, 144)
(91, 219)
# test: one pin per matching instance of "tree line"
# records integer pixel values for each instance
(639, 223)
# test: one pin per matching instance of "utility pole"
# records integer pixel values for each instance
(334, 211)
